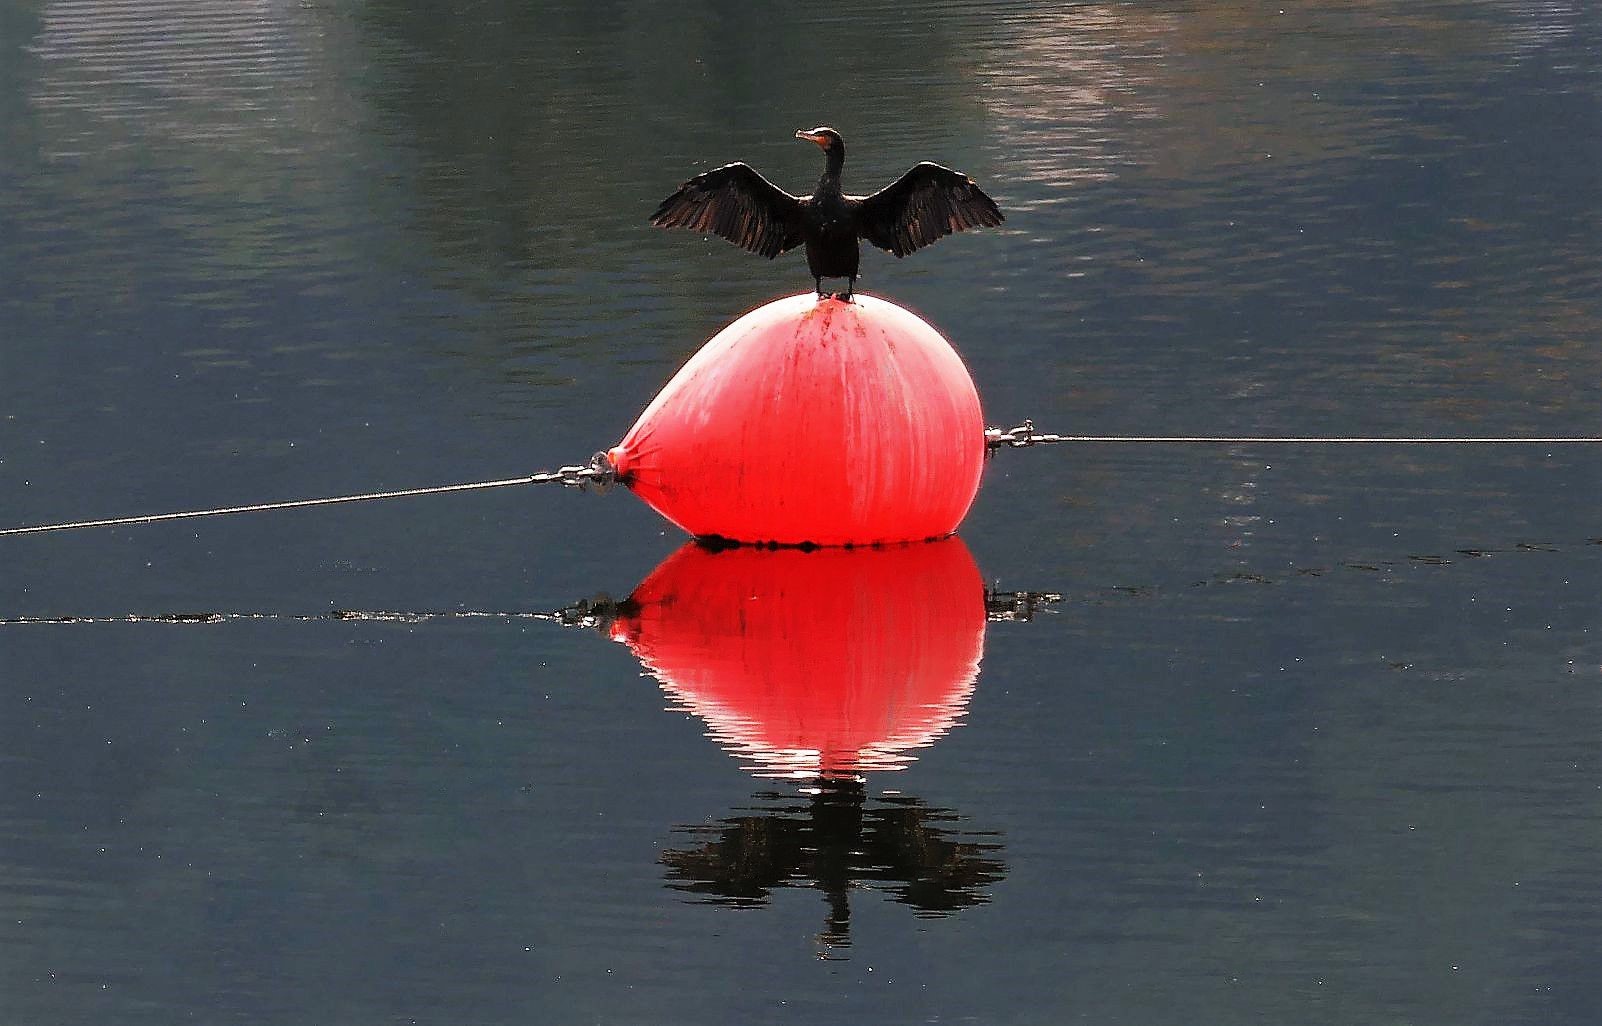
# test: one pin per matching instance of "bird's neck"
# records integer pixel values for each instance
(835, 162)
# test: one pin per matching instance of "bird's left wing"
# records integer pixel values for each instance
(927, 203)
(737, 203)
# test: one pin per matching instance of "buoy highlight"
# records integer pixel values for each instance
(813, 421)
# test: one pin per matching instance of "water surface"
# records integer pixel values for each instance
(1309, 738)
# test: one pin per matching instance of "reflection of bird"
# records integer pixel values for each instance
(923, 205)
(837, 843)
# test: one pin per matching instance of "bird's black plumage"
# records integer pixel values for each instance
(927, 203)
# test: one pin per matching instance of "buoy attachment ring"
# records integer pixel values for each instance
(811, 421)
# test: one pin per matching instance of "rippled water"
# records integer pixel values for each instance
(1309, 736)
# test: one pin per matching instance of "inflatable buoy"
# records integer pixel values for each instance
(814, 664)
(813, 421)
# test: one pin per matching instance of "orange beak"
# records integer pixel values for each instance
(822, 141)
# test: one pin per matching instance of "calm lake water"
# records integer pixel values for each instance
(1312, 736)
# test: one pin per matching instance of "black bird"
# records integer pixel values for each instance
(734, 201)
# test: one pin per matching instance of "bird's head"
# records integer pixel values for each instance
(832, 145)
(827, 138)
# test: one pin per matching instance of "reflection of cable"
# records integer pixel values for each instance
(581, 614)
(1297, 572)
(1017, 606)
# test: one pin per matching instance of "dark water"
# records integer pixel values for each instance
(1312, 737)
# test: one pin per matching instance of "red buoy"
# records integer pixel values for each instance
(813, 421)
(814, 664)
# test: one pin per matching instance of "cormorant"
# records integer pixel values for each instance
(734, 201)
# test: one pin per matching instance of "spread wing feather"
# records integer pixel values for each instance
(738, 204)
(927, 203)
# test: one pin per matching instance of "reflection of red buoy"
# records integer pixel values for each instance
(814, 421)
(808, 664)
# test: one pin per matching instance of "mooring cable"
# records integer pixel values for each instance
(1025, 435)
(598, 472)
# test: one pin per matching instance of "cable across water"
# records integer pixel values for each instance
(598, 473)
(1025, 435)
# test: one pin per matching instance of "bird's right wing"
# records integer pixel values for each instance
(924, 205)
(737, 203)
